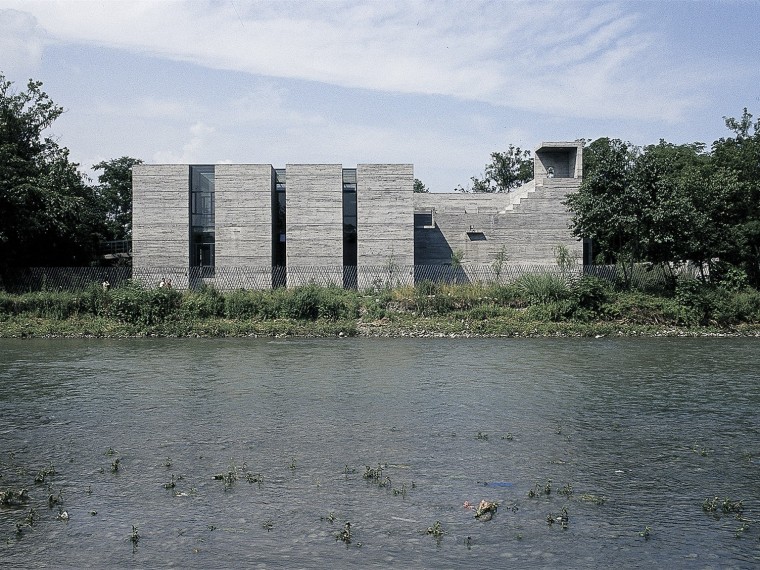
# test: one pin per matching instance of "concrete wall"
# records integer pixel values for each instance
(244, 216)
(385, 211)
(529, 223)
(565, 157)
(314, 200)
(160, 215)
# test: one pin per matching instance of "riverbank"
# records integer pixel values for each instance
(535, 306)
(93, 327)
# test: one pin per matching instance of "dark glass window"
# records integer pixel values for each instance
(202, 222)
(349, 228)
(423, 219)
(279, 218)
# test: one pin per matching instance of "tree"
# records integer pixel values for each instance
(115, 191)
(739, 157)
(48, 214)
(506, 171)
(604, 209)
(419, 187)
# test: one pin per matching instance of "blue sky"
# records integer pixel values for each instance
(437, 84)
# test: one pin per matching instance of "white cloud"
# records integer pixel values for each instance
(21, 43)
(195, 150)
(574, 59)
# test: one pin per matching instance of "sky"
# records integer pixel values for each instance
(437, 84)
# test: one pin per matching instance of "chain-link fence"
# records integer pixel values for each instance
(361, 277)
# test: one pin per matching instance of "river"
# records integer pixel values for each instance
(253, 452)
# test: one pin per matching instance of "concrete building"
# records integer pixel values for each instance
(349, 226)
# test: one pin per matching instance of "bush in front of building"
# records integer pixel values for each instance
(134, 304)
(204, 303)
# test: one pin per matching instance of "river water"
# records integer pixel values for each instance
(628, 433)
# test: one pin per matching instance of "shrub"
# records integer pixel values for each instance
(591, 293)
(541, 288)
(203, 304)
(694, 298)
(731, 308)
(134, 304)
(243, 304)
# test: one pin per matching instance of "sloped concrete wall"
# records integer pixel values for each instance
(314, 199)
(160, 215)
(479, 227)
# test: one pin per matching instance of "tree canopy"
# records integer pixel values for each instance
(506, 171)
(48, 214)
(669, 204)
(115, 192)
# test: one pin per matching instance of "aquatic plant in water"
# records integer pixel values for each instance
(486, 510)
(436, 530)
(345, 534)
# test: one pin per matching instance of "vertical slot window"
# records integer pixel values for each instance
(349, 229)
(202, 219)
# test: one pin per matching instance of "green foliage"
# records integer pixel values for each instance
(668, 203)
(541, 288)
(591, 293)
(311, 302)
(499, 261)
(506, 171)
(419, 187)
(48, 214)
(246, 304)
(204, 303)
(134, 304)
(115, 191)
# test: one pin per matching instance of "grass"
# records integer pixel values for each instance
(531, 306)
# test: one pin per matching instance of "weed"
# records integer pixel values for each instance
(135, 536)
(730, 506)
(168, 463)
(567, 490)
(710, 505)
(110, 451)
(436, 530)
(55, 499)
(345, 534)
(401, 491)
(646, 533)
(32, 517)
(742, 529)
(486, 510)
(373, 474)
(254, 478)
(11, 497)
(171, 484)
(115, 465)
(563, 518)
(481, 435)
(596, 499)
(329, 518)
(293, 463)
(508, 437)
(42, 473)
(267, 525)
(727, 506)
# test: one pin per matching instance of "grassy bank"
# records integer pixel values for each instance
(534, 305)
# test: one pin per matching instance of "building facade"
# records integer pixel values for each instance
(283, 225)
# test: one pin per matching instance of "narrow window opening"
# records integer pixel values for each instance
(350, 249)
